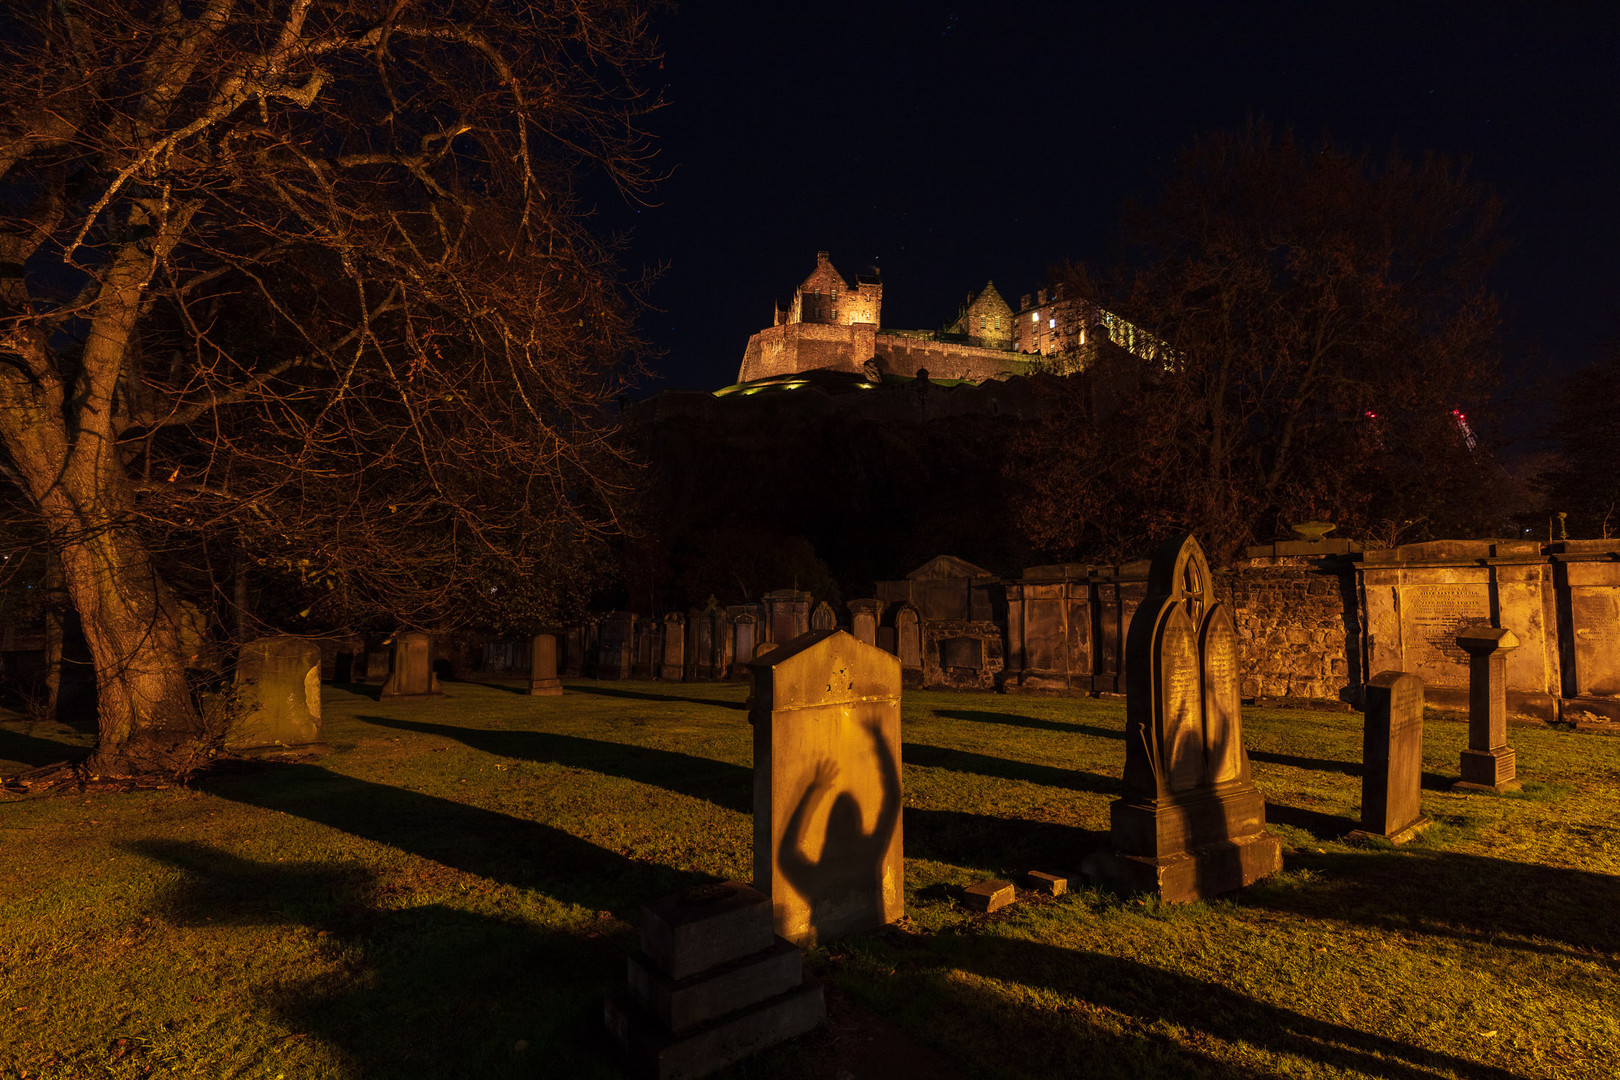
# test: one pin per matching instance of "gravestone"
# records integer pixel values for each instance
(743, 641)
(1489, 762)
(827, 828)
(543, 665)
(1392, 758)
(823, 618)
(711, 984)
(673, 668)
(410, 670)
(1191, 823)
(615, 645)
(787, 615)
(863, 620)
(278, 687)
(908, 641)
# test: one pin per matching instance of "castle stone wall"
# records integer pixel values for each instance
(794, 348)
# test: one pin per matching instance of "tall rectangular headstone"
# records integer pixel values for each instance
(673, 668)
(1392, 758)
(278, 686)
(863, 620)
(1489, 762)
(827, 824)
(543, 666)
(410, 672)
(1191, 823)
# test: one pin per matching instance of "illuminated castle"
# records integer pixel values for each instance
(831, 326)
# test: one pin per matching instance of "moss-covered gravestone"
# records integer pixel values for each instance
(827, 830)
(410, 672)
(1191, 823)
(278, 691)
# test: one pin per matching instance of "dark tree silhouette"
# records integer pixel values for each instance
(1315, 317)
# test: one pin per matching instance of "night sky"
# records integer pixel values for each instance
(949, 145)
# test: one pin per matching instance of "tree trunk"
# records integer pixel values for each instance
(73, 473)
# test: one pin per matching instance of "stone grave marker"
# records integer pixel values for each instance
(1392, 758)
(908, 639)
(278, 686)
(543, 665)
(1489, 762)
(673, 667)
(827, 827)
(410, 672)
(823, 618)
(1191, 823)
(863, 620)
(711, 984)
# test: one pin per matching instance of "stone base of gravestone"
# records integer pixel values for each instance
(278, 686)
(1489, 770)
(711, 985)
(1207, 845)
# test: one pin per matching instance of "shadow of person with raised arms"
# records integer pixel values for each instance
(844, 887)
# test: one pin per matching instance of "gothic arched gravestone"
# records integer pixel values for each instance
(1191, 823)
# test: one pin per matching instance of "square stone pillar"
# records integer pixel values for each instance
(1392, 758)
(1488, 763)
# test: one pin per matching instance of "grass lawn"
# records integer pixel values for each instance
(452, 891)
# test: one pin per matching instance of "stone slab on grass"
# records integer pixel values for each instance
(989, 895)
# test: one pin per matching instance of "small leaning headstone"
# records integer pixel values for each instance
(1392, 758)
(1489, 763)
(827, 798)
(1051, 884)
(543, 666)
(711, 985)
(410, 672)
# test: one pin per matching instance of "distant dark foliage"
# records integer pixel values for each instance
(1583, 479)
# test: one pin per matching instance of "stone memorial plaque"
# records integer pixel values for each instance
(1595, 626)
(1431, 618)
(823, 618)
(827, 796)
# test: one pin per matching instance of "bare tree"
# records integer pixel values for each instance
(306, 283)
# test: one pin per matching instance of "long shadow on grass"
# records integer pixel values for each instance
(425, 990)
(642, 695)
(497, 846)
(965, 761)
(1320, 825)
(984, 716)
(1150, 996)
(1004, 845)
(1452, 894)
(1348, 768)
(32, 750)
(719, 782)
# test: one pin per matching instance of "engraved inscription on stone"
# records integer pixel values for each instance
(1183, 719)
(1595, 615)
(1221, 701)
(1432, 617)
